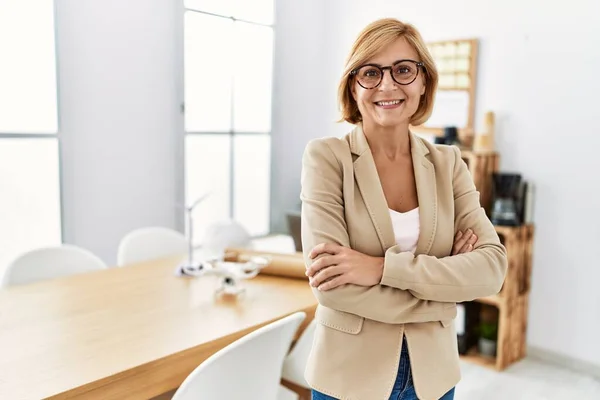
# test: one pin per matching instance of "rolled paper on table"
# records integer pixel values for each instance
(289, 265)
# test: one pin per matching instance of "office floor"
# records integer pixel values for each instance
(527, 380)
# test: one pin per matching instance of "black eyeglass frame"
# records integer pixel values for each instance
(419, 65)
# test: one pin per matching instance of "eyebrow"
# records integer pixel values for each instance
(395, 62)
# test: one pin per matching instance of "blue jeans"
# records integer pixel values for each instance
(403, 387)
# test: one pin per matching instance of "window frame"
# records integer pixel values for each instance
(52, 135)
(232, 132)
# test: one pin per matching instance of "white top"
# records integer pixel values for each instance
(406, 229)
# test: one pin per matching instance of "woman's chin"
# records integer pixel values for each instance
(390, 122)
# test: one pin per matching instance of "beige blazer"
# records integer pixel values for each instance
(356, 350)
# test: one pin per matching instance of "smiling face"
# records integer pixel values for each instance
(390, 103)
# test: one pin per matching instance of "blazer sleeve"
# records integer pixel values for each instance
(323, 221)
(458, 278)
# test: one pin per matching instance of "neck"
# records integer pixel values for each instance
(389, 141)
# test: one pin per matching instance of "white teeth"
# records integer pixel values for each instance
(387, 103)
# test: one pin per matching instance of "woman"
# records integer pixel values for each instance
(387, 228)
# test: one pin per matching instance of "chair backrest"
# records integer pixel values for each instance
(49, 263)
(295, 363)
(150, 243)
(249, 368)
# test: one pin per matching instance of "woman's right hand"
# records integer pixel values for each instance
(464, 242)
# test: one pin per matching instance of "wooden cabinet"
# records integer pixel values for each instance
(513, 300)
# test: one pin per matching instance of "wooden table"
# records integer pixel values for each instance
(127, 333)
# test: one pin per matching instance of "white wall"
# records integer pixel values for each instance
(538, 70)
(120, 128)
(299, 109)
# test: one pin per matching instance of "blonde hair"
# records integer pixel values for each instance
(373, 38)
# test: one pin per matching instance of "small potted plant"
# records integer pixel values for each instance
(488, 334)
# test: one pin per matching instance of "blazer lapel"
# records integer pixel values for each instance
(367, 178)
(426, 194)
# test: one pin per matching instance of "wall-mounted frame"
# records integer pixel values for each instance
(456, 61)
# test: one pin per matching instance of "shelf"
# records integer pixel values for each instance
(506, 230)
(468, 153)
(495, 301)
(474, 357)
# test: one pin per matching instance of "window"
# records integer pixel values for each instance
(228, 63)
(29, 161)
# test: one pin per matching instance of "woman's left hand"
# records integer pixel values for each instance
(340, 265)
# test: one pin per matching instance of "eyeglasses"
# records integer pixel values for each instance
(403, 72)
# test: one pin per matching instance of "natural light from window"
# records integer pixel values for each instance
(228, 68)
(29, 157)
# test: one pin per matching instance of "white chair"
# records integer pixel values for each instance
(49, 263)
(295, 362)
(249, 368)
(150, 243)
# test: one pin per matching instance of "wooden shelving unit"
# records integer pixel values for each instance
(478, 359)
(482, 165)
(495, 301)
(513, 300)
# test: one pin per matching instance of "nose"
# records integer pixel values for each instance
(387, 83)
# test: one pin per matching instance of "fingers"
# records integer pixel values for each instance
(457, 237)
(321, 263)
(460, 240)
(464, 242)
(333, 283)
(468, 247)
(325, 274)
(330, 248)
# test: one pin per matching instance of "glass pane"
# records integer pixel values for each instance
(207, 73)
(28, 67)
(260, 11)
(207, 170)
(447, 81)
(252, 175)
(30, 200)
(462, 81)
(462, 64)
(252, 77)
(464, 49)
